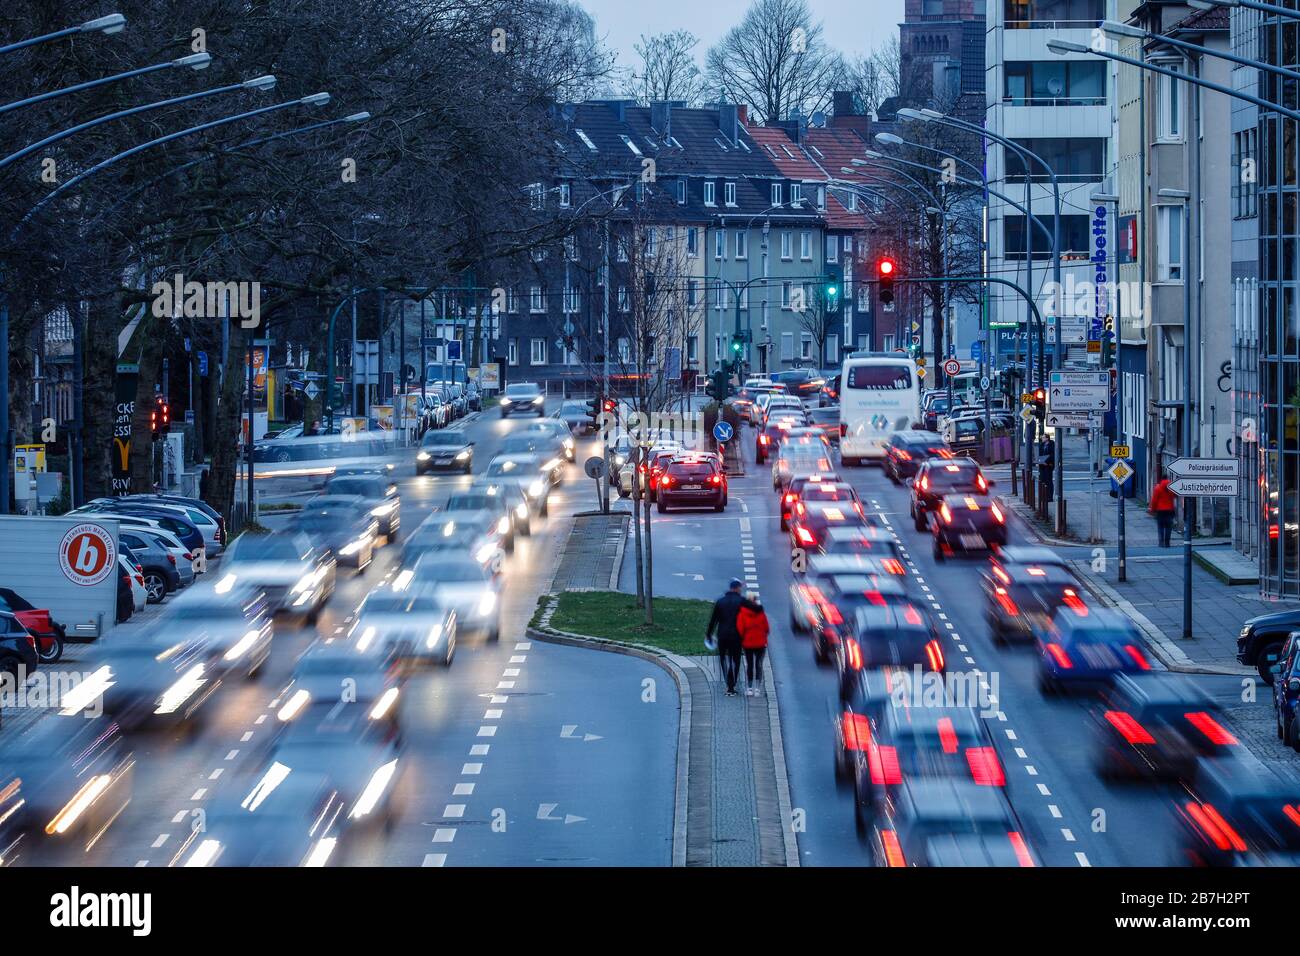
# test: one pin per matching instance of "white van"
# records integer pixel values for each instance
(880, 394)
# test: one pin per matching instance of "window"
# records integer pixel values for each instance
(821, 197)
(1076, 238)
(692, 349)
(512, 301)
(624, 351)
(652, 242)
(805, 345)
(729, 193)
(776, 194)
(536, 195)
(565, 195)
(570, 248)
(805, 246)
(1075, 159)
(787, 289)
(1043, 14)
(1055, 83)
(721, 296)
(848, 243)
(536, 301)
(796, 195)
(692, 292)
(1245, 175)
(888, 341)
(624, 302)
(681, 192)
(832, 349)
(717, 348)
(744, 297)
(572, 297)
(786, 244)
(710, 194)
(787, 346)
(742, 244)
(864, 298)
(537, 351)
(1170, 121)
(720, 244)
(1169, 243)
(832, 248)
(512, 352)
(693, 242)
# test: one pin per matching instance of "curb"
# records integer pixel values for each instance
(675, 667)
(788, 839)
(1166, 650)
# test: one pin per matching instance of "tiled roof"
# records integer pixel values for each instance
(835, 148)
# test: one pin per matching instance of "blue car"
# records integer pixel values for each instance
(1286, 691)
(1085, 647)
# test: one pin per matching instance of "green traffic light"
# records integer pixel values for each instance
(832, 290)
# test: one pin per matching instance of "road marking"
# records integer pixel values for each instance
(479, 750)
(232, 755)
(453, 810)
(523, 645)
(510, 672)
(141, 862)
(444, 835)
(463, 790)
(505, 685)
(1011, 734)
(492, 714)
(1042, 788)
(434, 859)
(470, 769)
(215, 774)
(1069, 837)
(1054, 810)
(261, 719)
(1083, 859)
(162, 838)
(1031, 770)
(1020, 752)
(248, 735)
(499, 699)
(518, 658)
(180, 816)
(200, 793)
(487, 730)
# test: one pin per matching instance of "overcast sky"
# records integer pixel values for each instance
(852, 26)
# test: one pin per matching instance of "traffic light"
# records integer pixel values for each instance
(718, 387)
(1108, 343)
(1040, 403)
(834, 287)
(885, 272)
(594, 407)
(160, 417)
(737, 346)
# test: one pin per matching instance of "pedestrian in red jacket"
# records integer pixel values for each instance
(753, 628)
(1162, 507)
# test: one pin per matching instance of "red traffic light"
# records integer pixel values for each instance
(1040, 395)
(609, 405)
(885, 267)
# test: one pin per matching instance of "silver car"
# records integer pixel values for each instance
(297, 576)
(468, 588)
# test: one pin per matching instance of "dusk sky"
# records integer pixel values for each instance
(853, 27)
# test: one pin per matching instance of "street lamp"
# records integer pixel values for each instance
(195, 61)
(107, 25)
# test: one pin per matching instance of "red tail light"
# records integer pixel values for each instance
(1003, 598)
(925, 482)
(716, 479)
(789, 499)
(1075, 603)
(882, 762)
(666, 480)
(1138, 657)
(893, 850)
(1022, 851)
(844, 429)
(892, 565)
(1292, 814)
(139, 580)
(945, 513)
(998, 515)
(139, 568)
(763, 439)
(985, 768)
(853, 654)
(981, 483)
(805, 537)
(934, 654)
(1058, 654)
(904, 456)
(172, 559)
(912, 616)
(1212, 824)
(857, 731)
(947, 736)
(1129, 729)
(1213, 730)
(188, 556)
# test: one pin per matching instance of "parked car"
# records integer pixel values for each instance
(135, 574)
(1259, 645)
(156, 563)
(48, 632)
(17, 645)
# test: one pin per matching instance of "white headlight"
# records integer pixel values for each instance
(522, 510)
(539, 399)
(505, 401)
(380, 510)
(536, 488)
(568, 443)
(423, 456)
(487, 603)
(503, 526)
(462, 456)
(207, 852)
(181, 691)
(352, 547)
(242, 648)
(435, 635)
(375, 788)
(484, 553)
(384, 704)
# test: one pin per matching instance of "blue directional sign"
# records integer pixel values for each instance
(977, 351)
(723, 432)
(453, 350)
(203, 363)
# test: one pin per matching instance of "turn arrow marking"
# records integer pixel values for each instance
(544, 811)
(567, 731)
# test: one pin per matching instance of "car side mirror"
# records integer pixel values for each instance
(1293, 685)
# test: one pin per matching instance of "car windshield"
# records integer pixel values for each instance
(449, 439)
(954, 476)
(574, 408)
(880, 377)
(521, 391)
(521, 445)
(259, 547)
(455, 571)
(691, 469)
(365, 488)
(483, 502)
(398, 602)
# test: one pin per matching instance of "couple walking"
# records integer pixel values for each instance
(740, 625)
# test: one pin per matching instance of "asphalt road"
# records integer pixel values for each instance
(1070, 816)
(522, 753)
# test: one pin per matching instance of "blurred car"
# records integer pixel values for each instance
(810, 520)
(336, 676)
(814, 485)
(341, 524)
(801, 382)
(380, 494)
(775, 431)
(1159, 725)
(18, 647)
(827, 421)
(235, 624)
(784, 406)
(153, 679)
(62, 783)
(889, 634)
(522, 398)
(48, 632)
(515, 496)
(157, 565)
(663, 448)
(758, 396)
(544, 442)
(1286, 691)
(290, 817)
(967, 523)
(296, 575)
(564, 445)
(474, 396)
(921, 743)
(460, 532)
(478, 500)
(135, 579)
(1085, 647)
(1239, 816)
(1022, 554)
(938, 477)
(411, 622)
(445, 451)
(950, 822)
(529, 480)
(1259, 643)
(1020, 599)
(692, 481)
(872, 542)
(868, 695)
(835, 616)
(906, 451)
(468, 588)
(576, 414)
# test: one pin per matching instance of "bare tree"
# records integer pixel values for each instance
(668, 70)
(875, 77)
(776, 60)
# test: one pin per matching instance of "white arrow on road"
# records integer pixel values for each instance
(544, 811)
(689, 547)
(568, 732)
(683, 574)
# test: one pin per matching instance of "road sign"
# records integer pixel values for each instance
(87, 554)
(920, 373)
(432, 343)
(1205, 487)
(977, 351)
(723, 431)
(1094, 346)
(454, 350)
(921, 361)
(311, 391)
(203, 364)
(1076, 398)
(1120, 470)
(1205, 468)
(915, 326)
(951, 367)
(1069, 420)
(594, 466)
(985, 382)
(1120, 451)
(1080, 378)
(1027, 414)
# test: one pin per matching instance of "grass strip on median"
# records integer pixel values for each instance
(678, 628)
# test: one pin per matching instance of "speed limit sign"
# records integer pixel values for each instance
(951, 367)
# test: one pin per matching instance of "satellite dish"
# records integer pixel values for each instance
(818, 119)
(1055, 86)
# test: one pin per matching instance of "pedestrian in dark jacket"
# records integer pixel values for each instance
(754, 628)
(723, 625)
(1046, 468)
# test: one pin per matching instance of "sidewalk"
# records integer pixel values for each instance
(733, 795)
